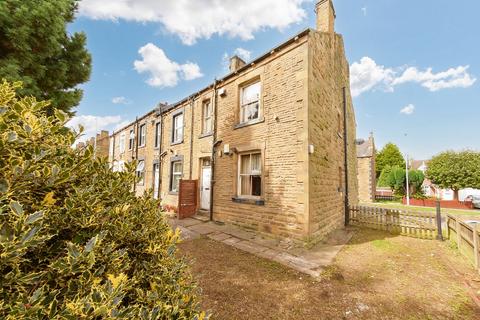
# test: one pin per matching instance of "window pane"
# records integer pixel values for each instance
(256, 164)
(245, 185)
(245, 164)
(177, 167)
(252, 111)
(175, 183)
(256, 186)
(251, 93)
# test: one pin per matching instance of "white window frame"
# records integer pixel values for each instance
(246, 105)
(158, 130)
(140, 174)
(121, 143)
(207, 117)
(174, 174)
(131, 139)
(142, 135)
(251, 174)
(177, 132)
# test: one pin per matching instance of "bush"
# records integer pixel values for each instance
(397, 181)
(75, 243)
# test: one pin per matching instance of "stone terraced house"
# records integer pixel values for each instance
(266, 143)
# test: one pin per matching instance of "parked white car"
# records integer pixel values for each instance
(475, 200)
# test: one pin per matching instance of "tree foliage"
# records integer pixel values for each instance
(382, 180)
(397, 180)
(455, 170)
(36, 49)
(75, 242)
(391, 156)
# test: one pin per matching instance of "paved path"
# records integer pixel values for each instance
(309, 261)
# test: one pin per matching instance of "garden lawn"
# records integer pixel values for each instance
(376, 276)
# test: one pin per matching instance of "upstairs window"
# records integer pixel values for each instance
(142, 135)
(121, 143)
(131, 140)
(177, 132)
(250, 175)
(158, 129)
(250, 103)
(207, 110)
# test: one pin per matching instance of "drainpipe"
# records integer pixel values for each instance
(160, 153)
(345, 150)
(214, 144)
(191, 138)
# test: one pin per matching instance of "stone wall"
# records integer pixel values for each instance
(329, 74)
(366, 179)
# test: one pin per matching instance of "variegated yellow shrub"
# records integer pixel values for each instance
(75, 243)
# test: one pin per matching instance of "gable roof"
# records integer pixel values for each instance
(365, 149)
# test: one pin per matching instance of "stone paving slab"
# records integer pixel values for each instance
(219, 236)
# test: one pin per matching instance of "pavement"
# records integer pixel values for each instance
(311, 261)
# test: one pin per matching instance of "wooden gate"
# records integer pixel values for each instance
(187, 198)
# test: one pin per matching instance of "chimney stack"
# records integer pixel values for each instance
(236, 63)
(325, 16)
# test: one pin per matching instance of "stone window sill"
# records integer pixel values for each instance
(173, 193)
(204, 135)
(250, 123)
(176, 142)
(257, 202)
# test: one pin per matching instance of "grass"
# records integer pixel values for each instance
(400, 206)
(375, 276)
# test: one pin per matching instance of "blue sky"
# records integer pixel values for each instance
(421, 57)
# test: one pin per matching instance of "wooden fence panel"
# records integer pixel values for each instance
(410, 223)
(467, 238)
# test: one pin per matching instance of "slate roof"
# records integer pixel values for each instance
(365, 149)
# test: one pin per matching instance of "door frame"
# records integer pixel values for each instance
(200, 179)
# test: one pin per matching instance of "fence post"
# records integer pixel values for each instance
(388, 219)
(475, 246)
(447, 221)
(458, 229)
(439, 223)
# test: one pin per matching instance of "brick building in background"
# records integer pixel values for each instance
(100, 144)
(366, 173)
(266, 142)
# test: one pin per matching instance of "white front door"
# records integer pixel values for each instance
(205, 188)
(156, 173)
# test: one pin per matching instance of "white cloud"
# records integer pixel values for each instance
(452, 78)
(243, 53)
(93, 124)
(367, 75)
(408, 109)
(196, 19)
(163, 71)
(120, 100)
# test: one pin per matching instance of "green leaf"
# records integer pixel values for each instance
(34, 217)
(4, 186)
(91, 244)
(16, 207)
(12, 136)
